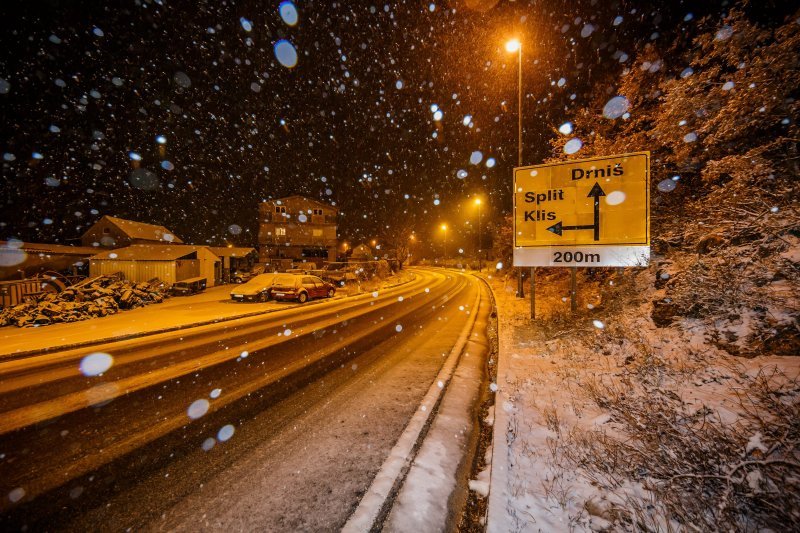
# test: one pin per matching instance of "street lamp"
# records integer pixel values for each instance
(514, 45)
(480, 234)
(444, 228)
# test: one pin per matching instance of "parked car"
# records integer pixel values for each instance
(255, 290)
(185, 287)
(301, 288)
(243, 276)
(337, 273)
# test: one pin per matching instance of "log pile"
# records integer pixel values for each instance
(97, 297)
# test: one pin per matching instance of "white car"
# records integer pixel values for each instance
(255, 290)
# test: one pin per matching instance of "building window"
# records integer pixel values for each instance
(317, 211)
(280, 208)
(316, 233)
(106, 231)
(281, 232)
(315, 252)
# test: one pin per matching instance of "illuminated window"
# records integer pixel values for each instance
(280, 231)
(316, 233)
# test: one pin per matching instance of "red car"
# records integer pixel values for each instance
(300, 287)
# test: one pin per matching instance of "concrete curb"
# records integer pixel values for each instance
(499, 465)
(95, 342)
(375, 504)
(491, 448)
(435, 490)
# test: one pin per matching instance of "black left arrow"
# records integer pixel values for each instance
(559, 228)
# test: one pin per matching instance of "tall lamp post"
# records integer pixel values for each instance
(480, 234)
(444, 228)
(514, 45)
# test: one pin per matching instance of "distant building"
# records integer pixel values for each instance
(167, 262)
(362, 252)
(113, 232)
(234, 259)
(297, 228)
(23, 259)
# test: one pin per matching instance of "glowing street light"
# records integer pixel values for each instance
(444, 228)
(480, 234)
(412, 239)
(514, 45)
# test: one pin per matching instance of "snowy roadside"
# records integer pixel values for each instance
(356, 288)
(211, 306)
(605, 422)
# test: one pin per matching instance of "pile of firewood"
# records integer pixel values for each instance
(97, 297)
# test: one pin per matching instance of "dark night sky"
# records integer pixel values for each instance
(84, 84)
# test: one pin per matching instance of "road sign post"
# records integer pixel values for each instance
(573, 290)
(533, 293)
(584, 213)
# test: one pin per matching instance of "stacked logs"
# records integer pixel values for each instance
(98, 297)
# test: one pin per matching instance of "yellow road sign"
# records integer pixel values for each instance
(583, 205)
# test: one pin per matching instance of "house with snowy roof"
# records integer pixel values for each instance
(113, 232)
(362, 252)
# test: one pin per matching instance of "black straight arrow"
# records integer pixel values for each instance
(559, 228)
(597, 192)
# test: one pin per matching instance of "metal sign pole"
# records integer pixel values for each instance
(573, 291)
(533, 293)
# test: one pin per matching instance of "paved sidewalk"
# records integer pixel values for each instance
(436, 486)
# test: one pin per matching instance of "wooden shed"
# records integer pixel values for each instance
(168, 262)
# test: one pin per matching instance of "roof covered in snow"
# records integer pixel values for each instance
(46, 248)
(142, 230)
(231, 251)
(150, 252)
(306, 199)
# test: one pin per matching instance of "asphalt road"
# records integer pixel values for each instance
(303, 407)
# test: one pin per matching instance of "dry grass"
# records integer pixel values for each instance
(703, 473)
(697, 466)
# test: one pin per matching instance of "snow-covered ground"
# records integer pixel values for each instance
(212, 304)
(605, 422)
